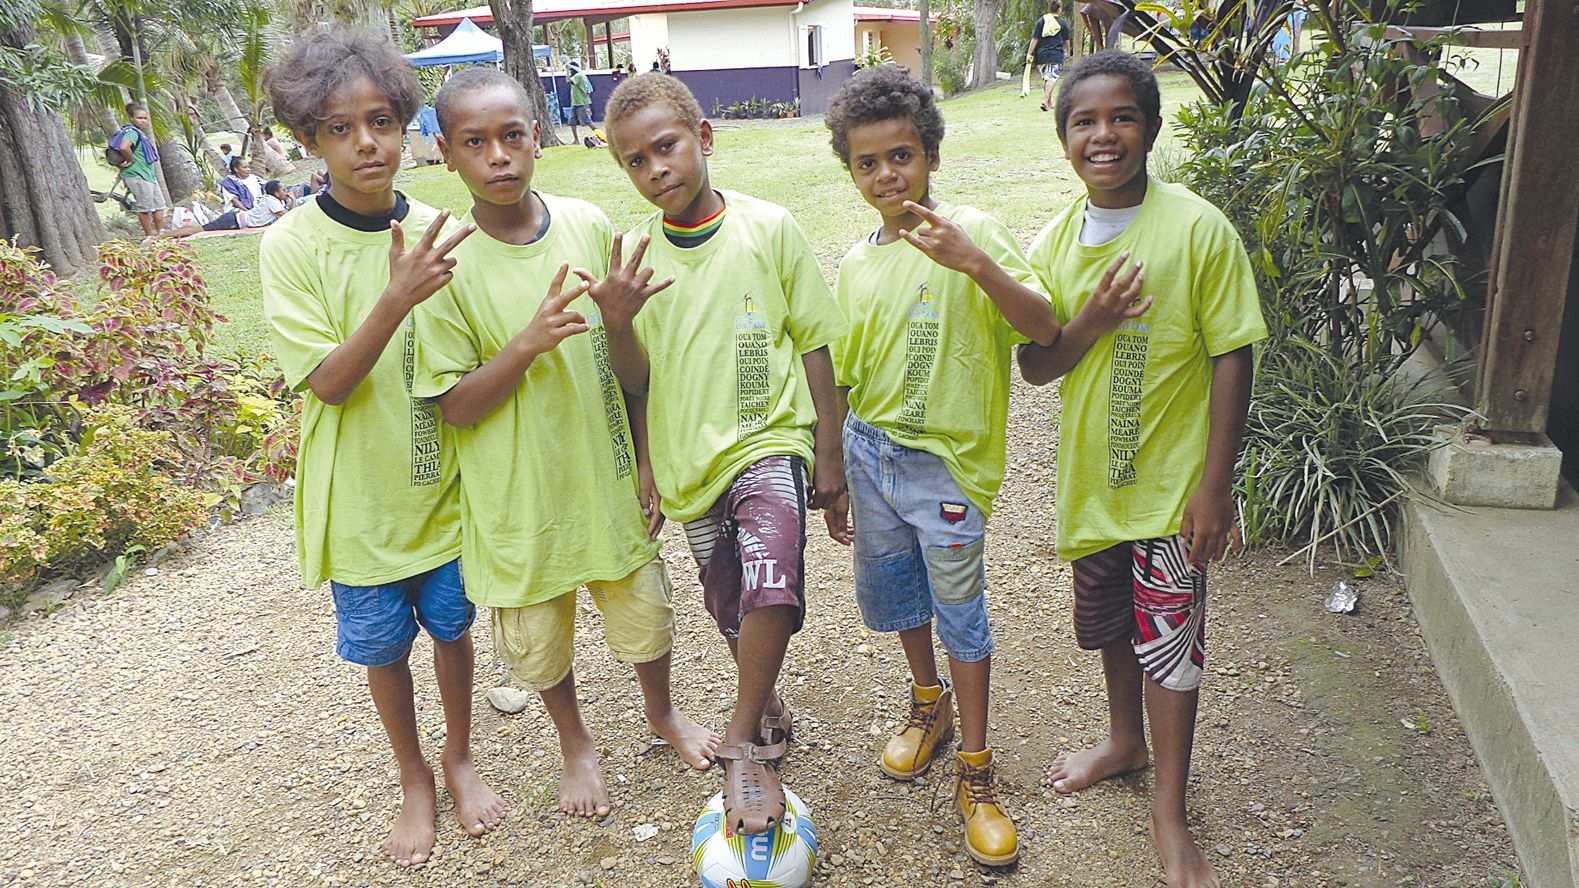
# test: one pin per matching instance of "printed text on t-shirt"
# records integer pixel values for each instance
(1130, 345)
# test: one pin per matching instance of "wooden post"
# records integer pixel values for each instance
(1536, 220)
(590, 57)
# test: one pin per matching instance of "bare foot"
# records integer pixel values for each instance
(477, 807)
(581, 789)
(692, 742)
(1075, 771)
(410, 840)
(1182, 860)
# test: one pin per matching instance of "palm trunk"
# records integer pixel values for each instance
(984, 60)
(513, 19)
(77, 53)
(232, 112)
(924, 10)
(44, 199)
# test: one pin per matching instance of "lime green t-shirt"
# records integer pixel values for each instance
(1133, 432)
(548, 479)
(928, 353)
(377, 497)
(725, 342)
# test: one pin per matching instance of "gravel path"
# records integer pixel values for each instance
(194, 728)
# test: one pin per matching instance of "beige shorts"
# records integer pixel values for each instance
(537, 642)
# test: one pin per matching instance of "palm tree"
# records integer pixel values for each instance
(513, 19)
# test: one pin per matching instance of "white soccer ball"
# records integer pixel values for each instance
(782, 858)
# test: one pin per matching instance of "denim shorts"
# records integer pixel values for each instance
(376, 624)
(581, 115)
(918, 543)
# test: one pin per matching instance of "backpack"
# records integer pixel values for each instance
(112, 149)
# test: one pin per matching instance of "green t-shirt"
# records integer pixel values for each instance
(377, 498)
(928, 353)
(727, 387)
(580, 91)
(140, 168)
(548, 480)
(1132, 435)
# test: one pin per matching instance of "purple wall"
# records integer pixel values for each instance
(727, 86)
(817, 87)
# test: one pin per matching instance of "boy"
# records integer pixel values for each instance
(733, 360)
(924, 438)
(139, 173)
(527, 385)
(1049, 40)
(377, 502)
(1150, 432)
(580, 104)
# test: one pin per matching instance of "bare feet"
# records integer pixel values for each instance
(1182, 860)
(1075, 771)
(410, 841)
(692, 742)
(477, 807)
(581, 789)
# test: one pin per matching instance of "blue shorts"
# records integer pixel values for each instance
(376, 624)
(581, 115)
(918, 543)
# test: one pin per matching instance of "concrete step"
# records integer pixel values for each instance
(1496, 592)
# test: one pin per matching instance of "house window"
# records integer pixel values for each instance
(813, 46)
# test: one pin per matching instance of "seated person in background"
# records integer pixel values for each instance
(225, 155)
(302, 192)
(241, 189)
(273, 143)
(272, 204)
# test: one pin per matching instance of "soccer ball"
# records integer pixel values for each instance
(782, 858)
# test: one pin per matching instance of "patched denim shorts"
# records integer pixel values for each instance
(375, 625)
(918, 543)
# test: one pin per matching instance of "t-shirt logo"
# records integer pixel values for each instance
(613, 398)
(921, 356)
(1131, 343)
(426, 465)
(751, 367)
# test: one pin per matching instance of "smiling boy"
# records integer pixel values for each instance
(733, 361)
(1149, 434)
(377, 504)
(519, 364)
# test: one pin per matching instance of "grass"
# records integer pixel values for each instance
(1000, 154)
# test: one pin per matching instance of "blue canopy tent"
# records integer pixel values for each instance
(471, 45)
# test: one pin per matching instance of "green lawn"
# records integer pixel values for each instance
(1000, 154)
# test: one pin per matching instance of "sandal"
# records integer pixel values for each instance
(753, 795)
(781, 725)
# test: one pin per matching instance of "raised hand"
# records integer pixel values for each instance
(626, 288)
(944, 241)
(421, 271)
(554, 321)
(1117, 297)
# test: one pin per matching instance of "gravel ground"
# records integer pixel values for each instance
(194, 728)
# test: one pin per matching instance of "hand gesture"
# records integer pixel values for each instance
(1208, 529)
(554, 321)
(622, 293)
(837, 517)
(651, 501)
(944, 241)
(418, 273)
(1117, 297)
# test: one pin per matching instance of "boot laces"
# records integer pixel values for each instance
(922, 715)
(978, 785)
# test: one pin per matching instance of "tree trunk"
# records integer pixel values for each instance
(513, 19)
(924, 10)
(984, 61)
(182, 178)
(232, 112)
(77, 53)
(44, 198)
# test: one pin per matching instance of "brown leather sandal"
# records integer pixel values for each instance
(753, 795)
(778, 728)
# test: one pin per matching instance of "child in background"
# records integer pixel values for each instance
(526, 382)
(1150, 431)
(377, 495)
(733, 361)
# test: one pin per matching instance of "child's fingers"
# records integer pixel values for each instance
(397, 238)
(454, 240)
(614, 253)
(656, 519)
(916, 240)
(1138, 308)
(559, 279)
(432, 234)
(1112, 271)
(924, 213)
(1132, 289)
(649, 292)
(640, 251)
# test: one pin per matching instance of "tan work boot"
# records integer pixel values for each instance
(990, 836)
(931, 725)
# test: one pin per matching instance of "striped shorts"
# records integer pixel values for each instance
(1148, 594)
(751, 545)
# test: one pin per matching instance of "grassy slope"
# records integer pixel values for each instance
(1001, 154)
